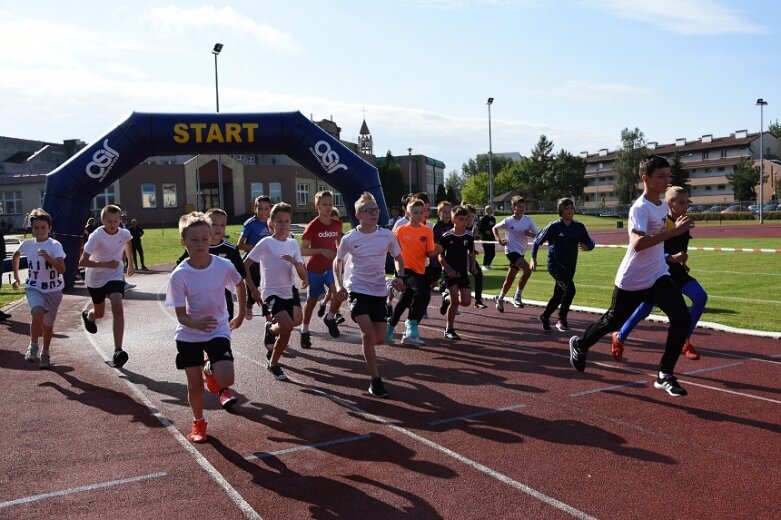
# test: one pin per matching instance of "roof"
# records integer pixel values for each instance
(364, 129)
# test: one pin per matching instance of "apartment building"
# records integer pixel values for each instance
(708, 160)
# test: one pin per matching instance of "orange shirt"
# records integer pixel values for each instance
(415, 243)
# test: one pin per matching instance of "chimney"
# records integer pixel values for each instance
(707, 138)
(681, 141)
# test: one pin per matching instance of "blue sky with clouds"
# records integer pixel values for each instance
(576, 70)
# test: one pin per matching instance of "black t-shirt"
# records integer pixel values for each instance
(224, 250)
(457, 249)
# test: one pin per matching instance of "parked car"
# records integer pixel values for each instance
(737, 208)
(715, 209)
(754, 208)
(771, 207)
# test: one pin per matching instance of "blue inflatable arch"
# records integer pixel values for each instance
(71, 187)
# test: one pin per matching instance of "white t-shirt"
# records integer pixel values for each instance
(277, 276)
(364, 257)
(40, 274)
(202, 293)
(640, 269)
(515, 233)
(103, 247)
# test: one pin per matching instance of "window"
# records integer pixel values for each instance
(721, 168)
(721, 187)
(148, 196)
(322, 187)
(704, 155)
(275, 192)
(338, 199)
(10, 202)
(707, 170)
(302, 194)
(708, 188)
(169, 196)
(103, 199)
(255, 190)
(723, 153)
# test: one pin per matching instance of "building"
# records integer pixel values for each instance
(420, 173)
(708, 160)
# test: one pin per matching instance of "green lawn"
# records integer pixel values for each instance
(744, 288)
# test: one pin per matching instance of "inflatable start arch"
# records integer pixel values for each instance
(71, 187)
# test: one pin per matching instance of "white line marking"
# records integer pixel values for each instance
(608, 388)
(215, 475)
(711, 369)
(316, 445)
(476, 414)
(461, 458)
(742, 394)
(81, 489)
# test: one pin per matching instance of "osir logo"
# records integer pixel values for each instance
(102, 162)
(327, 158)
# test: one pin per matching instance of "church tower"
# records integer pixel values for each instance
(365, 142)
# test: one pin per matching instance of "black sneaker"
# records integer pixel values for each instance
(479, 304)
(562, 325)
(577, 357)
(119, 359)
(269, 337)
(333, 327)
(276, 370)
(517, 301)
(444, 305)
(377, 389)
(451, 334)
(670, 385)
(545, 320)
(89, 325)
(321, 310)
(339, 318)
(4, 316)
(306, 341)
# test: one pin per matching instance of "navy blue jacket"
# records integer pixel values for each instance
(563, 245)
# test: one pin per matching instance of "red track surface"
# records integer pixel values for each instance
(495, 426)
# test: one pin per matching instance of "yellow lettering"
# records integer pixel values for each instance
(215, 134)
(233, 133)
(250, 128)
(180, 133)
(198, 127)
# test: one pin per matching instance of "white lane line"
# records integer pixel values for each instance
(461, 458)
(608, 388)
(82, 489)
(314, 446)
(742, 394)
(215, 475)
(711, 369)
(476, 414)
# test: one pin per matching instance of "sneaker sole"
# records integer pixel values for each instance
(119, 360)
(230, 403)
(571, 357)
(667, 390)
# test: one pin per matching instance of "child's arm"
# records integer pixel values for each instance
(15, 263)
(204, 324)
(241, 296)
(250, 282)
(498, 235)
(307, 250)
(129, 256)
(85, 261)
(57, 263)
(338, 273)
(640, 240)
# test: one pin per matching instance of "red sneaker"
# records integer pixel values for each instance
(211, 382)
(689, 351)
(226, 399)
(618, 347)
(198, 435)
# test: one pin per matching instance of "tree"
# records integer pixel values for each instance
(627, 164)
(744, 180)
(441, 193)
(540, 168)
(775, 129)
(480, 164)
(678, 176)
(568, 176)
(453, 183)
(475, 189)
(393, 186)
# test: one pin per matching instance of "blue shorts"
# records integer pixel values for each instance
(319, 283)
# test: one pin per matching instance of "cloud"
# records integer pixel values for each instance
(177, 20)
(688, 17)
(580, 90)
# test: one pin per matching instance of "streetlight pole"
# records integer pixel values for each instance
(409, 174)
(761, 102)
(216, 51)
(490, 157)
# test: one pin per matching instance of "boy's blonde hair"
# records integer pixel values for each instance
(443, 204)
(364, 198)
(280, 207)
(111, 208)
(674, 191)
(192, 220)
(216, 211)
(40, 214)
(414, 203)
(517, 200)
(320, 194)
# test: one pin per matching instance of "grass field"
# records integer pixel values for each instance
(744, 288)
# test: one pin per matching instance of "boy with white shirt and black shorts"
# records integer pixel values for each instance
(518, 229)
(645, 276)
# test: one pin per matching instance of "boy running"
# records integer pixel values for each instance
(458, 260)
(517, 228)
(102, 258)
(276, 254)
(359, 270)
(319, 242)
(44, 284)
(443, 225)
(254, 229)
(644, 275)
(195, 292)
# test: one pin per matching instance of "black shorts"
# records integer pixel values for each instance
(462, 282)
(273, 305)
(99, 294)
(190, 354)
(513, 257)
(374, 306)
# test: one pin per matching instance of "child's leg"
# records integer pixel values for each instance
(455, 300)
(371, 334)
(641, 313)
(118, 316)
(466, 297)
(222, 371)
(97, 312)
(332, 295)
(695, 292)
(523, 266)
(478, 286)
(36, 324)
(309, 308)
(509, 279)
(195, 390)
(48, 333)
(282, 327)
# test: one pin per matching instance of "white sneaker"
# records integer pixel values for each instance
(409, 340)
(485, 268)
(32, 353)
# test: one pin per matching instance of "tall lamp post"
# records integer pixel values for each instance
(490, 157)
(409, 174)
(761, 102)
(216, 51)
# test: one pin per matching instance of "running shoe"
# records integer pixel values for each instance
(269, 337)
(4, 316)
(32, 353)
(198, 433)
(517, 301)
(226, 399)
(562, 325)
(690, 352)
(577, 357)
(306, 340)
(333, 327)
(479, 304)
(321, 310)
(617, 348)
(451, 334)
(545, 320)
(211, 383)
(45, 360)
(339, 318)
(89, 325)
(444, 305)
(500, 304)
(670, 385)
(377, 389)
(389, 334)
(409, 340)
(277, 372)
(119, 359)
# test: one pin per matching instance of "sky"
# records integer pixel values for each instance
(418, 71)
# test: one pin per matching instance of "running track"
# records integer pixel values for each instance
(494, 426)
